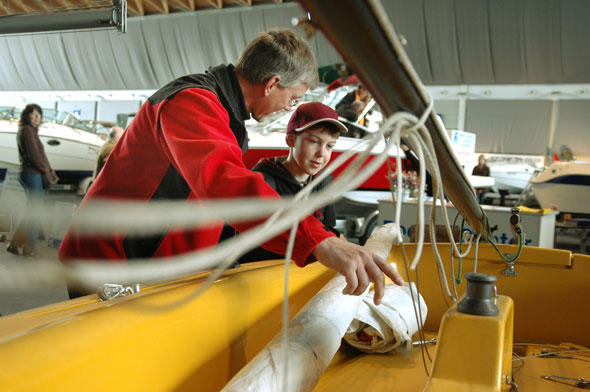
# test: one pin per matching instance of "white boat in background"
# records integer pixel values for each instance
(72, 146)
(512, 178)
(564, 186)
(511, 173)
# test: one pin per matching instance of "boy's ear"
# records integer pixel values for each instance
(290, 139)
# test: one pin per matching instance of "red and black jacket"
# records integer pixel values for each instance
(185, 143)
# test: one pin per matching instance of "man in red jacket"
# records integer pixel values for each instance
(186, 143)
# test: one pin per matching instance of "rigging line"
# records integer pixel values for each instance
(420, 209)
(216, 274)
(438, 258)
(221, 268)
(548, 354)
(442, 274)
(517, 357)
(557, 346)
(476, 249)
(285, 328)
(421, 318)
(453, 281)
(459, 278)
(494, 245)
(417, 313)
(417, 144)
(437, 177)
(97, 273)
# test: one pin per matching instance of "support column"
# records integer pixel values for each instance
(461, 114)
(552, 127)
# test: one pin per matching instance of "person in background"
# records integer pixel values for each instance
(312, 133)
(332, 72)
(353, 104)
(35, 176)
(103, 134)
(190, 136)
(481, 169)
(107, 148)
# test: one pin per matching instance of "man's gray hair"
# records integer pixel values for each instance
(279, 52)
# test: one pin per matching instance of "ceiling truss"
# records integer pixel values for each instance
(134, 7)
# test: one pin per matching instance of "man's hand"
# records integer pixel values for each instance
(359, 266)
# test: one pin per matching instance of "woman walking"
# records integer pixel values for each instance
(35, 175)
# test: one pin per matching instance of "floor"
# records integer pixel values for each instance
(14, 301)
(23, 298)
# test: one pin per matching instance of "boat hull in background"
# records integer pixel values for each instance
(564, 186)
(71, 153)
(512, 178)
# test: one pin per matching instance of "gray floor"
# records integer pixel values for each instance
(24, 298)
(17, 300)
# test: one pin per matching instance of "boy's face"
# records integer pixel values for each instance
(312, 149)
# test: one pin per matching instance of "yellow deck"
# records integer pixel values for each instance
(354, 371)
(157, 340)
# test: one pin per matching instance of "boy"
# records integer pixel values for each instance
(312, 133)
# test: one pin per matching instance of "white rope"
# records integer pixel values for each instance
(287, 213)
(104, 217)
(476, 249)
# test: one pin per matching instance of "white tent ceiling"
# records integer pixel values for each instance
(463, 49)
(450, 42)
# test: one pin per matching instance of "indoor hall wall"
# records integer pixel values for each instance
(85, 109)
(449, 111)
(108, 110)
(573, 127)
(509, 126)
(20, 102)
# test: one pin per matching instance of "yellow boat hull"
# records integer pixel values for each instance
(162, 339)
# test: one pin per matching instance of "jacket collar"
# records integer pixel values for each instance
(230, 89)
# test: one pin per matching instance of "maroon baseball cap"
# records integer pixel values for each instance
(312, 113)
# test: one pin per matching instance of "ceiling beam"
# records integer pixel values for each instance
(63, 5)
(155, 6)
(41, 5)
(135, 7)
(18, 7)
(239, 2)
(209, 3)
(183, 4)
(4, 10)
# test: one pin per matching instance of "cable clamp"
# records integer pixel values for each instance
(110, 291)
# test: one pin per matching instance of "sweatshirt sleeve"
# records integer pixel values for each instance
(195, 132)
(34, 149)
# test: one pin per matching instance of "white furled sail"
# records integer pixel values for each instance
(314, 334)
(389, 325)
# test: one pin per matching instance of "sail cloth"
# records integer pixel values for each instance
(314, 334)
(390, 325)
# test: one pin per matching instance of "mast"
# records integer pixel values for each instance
(361, 32)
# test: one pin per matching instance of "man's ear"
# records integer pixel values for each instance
(274, 81)
(290, 139)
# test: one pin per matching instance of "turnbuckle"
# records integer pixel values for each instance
(574, 382)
